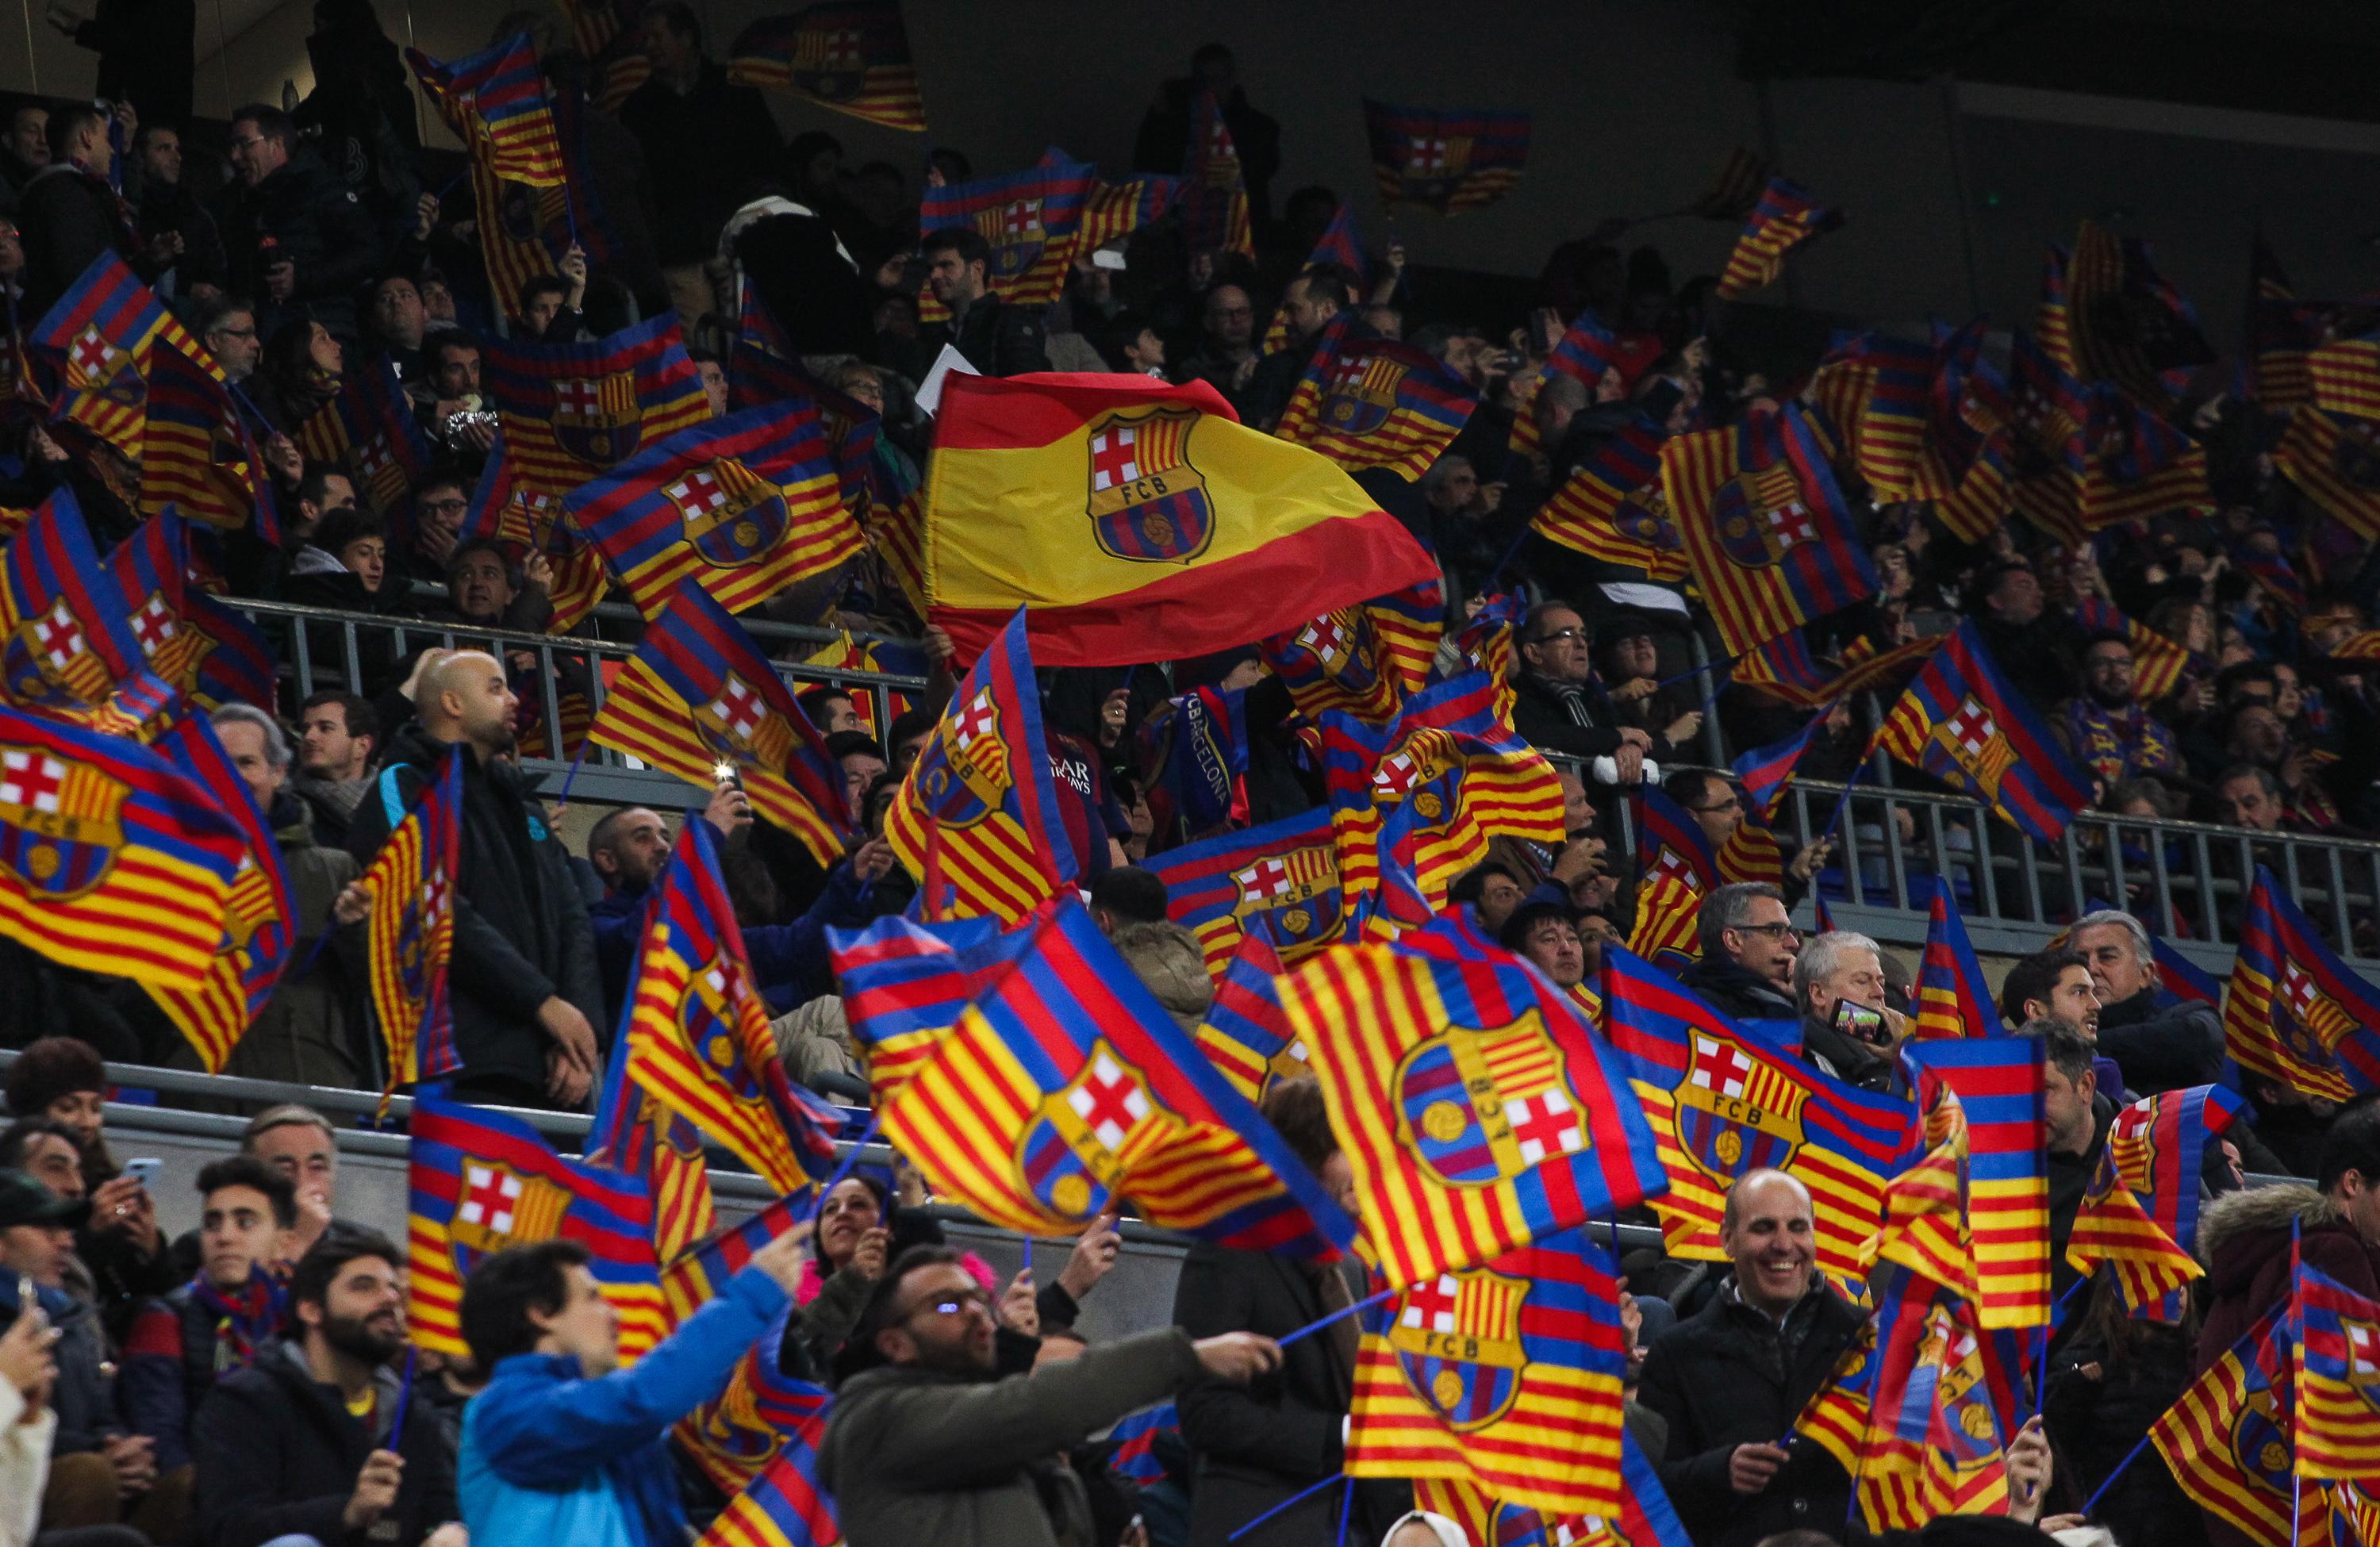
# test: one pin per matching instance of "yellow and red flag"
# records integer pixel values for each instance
(1785, 217)
(2334, 460)
(1376, 403)
(2231, 1442)
(851, 55)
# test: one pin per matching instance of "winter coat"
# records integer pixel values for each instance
(704, 151)
(2162, 1047)
(997, 339)
(1737, 990)
(2095, 1423)
(24, 1466)
(2243, 1238)
(83, 1400)
(68, 217)
(317, 224)
(1541, 714)
(311, 1030)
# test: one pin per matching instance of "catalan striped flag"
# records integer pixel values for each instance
(1668, 929)
(1962, 724)
(1115, 210)
(1785, 217)
(905, 984)
(1750, 853)
(1029, 219)
(1067, 1086)
(410, 931)
(763, 367)
(1880, 407)
(1362, 660)
(1953, 999)
(2335, 460)
(2139, 466)
(1764, 527)
(481, 1182)
(1376, 403)
(70, 636)
(740, 508)
(1477, 1111)
(1646, 1518)
(522, 230)
(634, 1134)
(1448, 160)
(570, 411)
(1766, 772)
(2295, 1012)
(851, 55)
(1506, 1376)
(1246, 1033)
(259, 930)
(2157, 663)
(1837, 1413)
(1672, 843)
(698, 697)
(526, 518)
(1966, 407)
(2281, 332)
(2346, 375)
(1613, 508)
(782, 1507)
(1784, 668)
(2157, 1145)
(1280, 880)
(2005, 1184)
(1338, 249)
(99, 335)
(2048, 407)
(2231, 1441)
(497, 98)
(848, 651)
(2111, 1228)
(2337, 1379)
(1722, 1102)
(2128, 325)
(197, 452)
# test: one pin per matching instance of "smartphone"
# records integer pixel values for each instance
(142, 1169)
(1860, 1023)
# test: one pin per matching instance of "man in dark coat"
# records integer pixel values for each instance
(69, 215)
(176, 231)
(294, 236)
(998, 339)
(1164, 140)
(1557, 707)
(522, 980)
(1749, 946)
(2159, 1046)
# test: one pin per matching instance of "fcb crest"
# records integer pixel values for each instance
(414, 927)
(1477, 1105)
(1341, 646)
(499, 1207)
(1971, 738)
(732, 719)
(1434, 165)
(707, 1022)
(1410, 772)
(1015, 235)
(525, 212)
(1296, 894)
(970, 779)
(2296, 1004)
(1760, 515)
(597, 419)
(731, 514)
(2355, 455)
(1361, 393)
(1457, 1340)
(1643, 517)
(1084, 1134)
(95, 365)
(1147, 503)
(61, 823)
(2261, 1441)
(1735, 1113)
(1973, 1433)
(49, 658)
(829, 62)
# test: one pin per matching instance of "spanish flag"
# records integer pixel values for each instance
(1139, 522)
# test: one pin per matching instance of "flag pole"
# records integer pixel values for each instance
(2108, 1481)
(1347, 1508)
(1341, 1314)
(1292, 1500)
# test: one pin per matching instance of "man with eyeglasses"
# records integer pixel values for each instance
(929, 1445)
(227, 328)
(1226, 360)
(1749, 945)
(2106, 727)
(1716, 807)
(294, 236)
(1559, 709)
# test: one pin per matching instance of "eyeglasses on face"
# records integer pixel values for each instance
(1560, 634)
(1777, 931)
(949, 1305)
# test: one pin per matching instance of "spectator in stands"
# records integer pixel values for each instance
(1632, 675)
(1164, 137)
(180, 1345)
(51, 1153)
(1833, 971)
(831, 708)
(1310, 303)
(2250, 796)
(397, 324)
(1171, 964)
(301, 373)
(294, 236)
(1557, 708)
(2159, 1046)
(128, 1256)
(2113, 1376)
(1749, 945)
(861, 757)
(2073, 1128)
(301, 1144)
(227, 327)
(440, 502)
(564, 1446)
(24, 151)
(1130, 347)
(28, 1425)
(486, 590)
(455, 360)
(2244, 1238)
(303, 1441)
(2105, 727)
(305, 1034)
(1493, 892)
(338, 739)
(912, 728)
(1258, 1444)
(176, 230)
(553, 307)
(2035, 649)
(69, 213)
(998, 339)
(1717, 808)
(1544, 931)
(1226, 358)
(2056, 983)
(522, 980)
(1127, 894)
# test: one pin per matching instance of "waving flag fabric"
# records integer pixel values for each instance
(1028, 219)
(1722, 1102)
(260, 928)
(1506, 1376)
(2295, 1012)
(1246, 1033)
(636, 1134)
(2157, 663)
(2128, 325)
(905, 984)
(497, 96)
(1764, 527)
(1484, 643)
(1362, 661)
(226, 658)
(2157, 1145)
(1952, 998)
(2004, 1190)
(977, 816)
(1476, 1110)
(68, 635)
(1784, 668)
(1337, 247)
(1445, 159)
(1612, 507)
(2335, 460)
(570, 411)
(1135, 1437)
(1067, 1086)
(1766, 772)
(2137, 467)
(2230, 1439)
(741, 507)
(1646, 1517)
(698, 1275)
(100, 334)
(1940, 1447)
(1215, 188)
(1280, 880)
(1139, 522)
(1874, 389)
(2337, 1380)
(1672, 843)
(2345, 377)
(784, 1506)
(764, 1414)
(1115, 210)
(528, 519)
(382, 442)
(852, 56)
(2111, 1227)
(197, 453)
(1752, 853)
(1962, 722)
(1584, 353)
(1376, 403)
(482, 1182)
(1784, 219)
(411, 931)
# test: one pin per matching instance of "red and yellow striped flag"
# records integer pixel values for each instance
(2112, 1228)
(2334, 460)
(2346, 374)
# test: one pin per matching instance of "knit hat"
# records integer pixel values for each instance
(50, 1067)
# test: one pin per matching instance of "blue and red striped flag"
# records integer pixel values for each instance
(699, 699)
(1672, 843)
(851, 55)
(1067, 1086)
(99, 337)
(1583, 353)
(1029, 218)
(497, 96)
(1376, 403)
(1445, 159)
(2295, 1012)
(1361, 659)
(1612, 507)
(1766, 772)
(1765, 527)
(699, 1275)
(480, 1182)
(784, 1506)
(2183, 978)
(197, 455)
(570, 411)
(1646, 1517)
(1785, 218)
(1135, 1436)
(740, 508)
(1960, 722)
(764, 368)
(1338, 249)
(70, 634)
(735, 1438)
(1246, 1033)
(2338, 1370)
(1281, 879)
(638, 1134)
(385, 444)
(1784, 668)
(410, 931)
(1953, 1000)
(202, 649)
(230, 660)
(1997, 1083)
(528, 519)
(1215, 187)
(904, 985)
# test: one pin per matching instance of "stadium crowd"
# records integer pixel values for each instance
(241, 1387)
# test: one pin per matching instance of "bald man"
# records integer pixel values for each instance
(522, 978)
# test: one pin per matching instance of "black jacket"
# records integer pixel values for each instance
(707, 152)
(2095, 1421)
(277, 1454)
(997, 339)
(165, 209)
(1853, 1062)
(2162, 1048)
(1542, 717)
(521, 932)
(1255, 1445)
(317, 224)
(68, 217)
(1724, 1378)
(1738, 992)
(147, 56)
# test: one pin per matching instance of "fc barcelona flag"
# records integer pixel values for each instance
(1139, 522)
(1722, 1102)
(1783, 220)
(1452, 779)
(2295, 1012)
(1586, 353)
(1672, 843)
(1115, 210)
(1477, 1111)
(740, 508)
(977, 818)
(697, 1035)
(1215, 188)
(70, 635)
(1067, 1086)
(2005, 1185)
(496, 99)
(197, 452)
(410, 931)
(2111, 1227)
(2157, 1145)
(1445, 159)
(2346, 377)
(1962, 724)
(905, 984)
(1280, 880)
(1506, 1376)
(636, 1134)
(1953, 999)
(526, 518)
(698, 696)
(1376, 403)
(1338, 248)
(852, 56)
(483, 1182)
(2337, 1379)
(110, 860)
(99, 334)
(2231, 1439)
(1764, 526)
(764, 1413)
(379, 437)
(1362, 661)
(1766, 772)
(1941, 1422)
(784, 1506)
(1028, 219)
(2335, 460)
(1784, 668)
(1247, 1033)
(1646, 1518)
(571, 412)
(1613, 508)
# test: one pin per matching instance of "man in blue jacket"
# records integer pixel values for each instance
(562, 1446)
